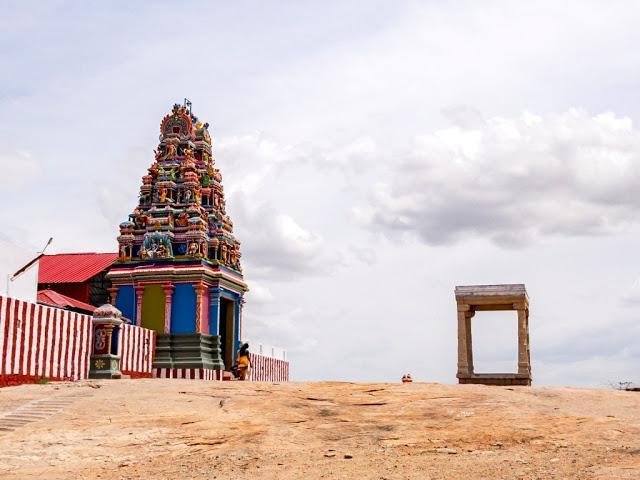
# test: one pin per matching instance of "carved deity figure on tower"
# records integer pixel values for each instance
(172, 151)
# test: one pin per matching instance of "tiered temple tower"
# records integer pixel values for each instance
(179, 267)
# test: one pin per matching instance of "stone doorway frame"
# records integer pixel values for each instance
(474, 298)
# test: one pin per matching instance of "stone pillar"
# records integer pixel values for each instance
(113, 294)
(467, 326)
(199, 288)
(528, 344)
(464, 335)
(139, 292)
(237, 339)
(168, 294)
(214, 310)
(104, 363)
(524, 366)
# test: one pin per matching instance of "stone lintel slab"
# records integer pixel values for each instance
(515, 289)
(502, 296)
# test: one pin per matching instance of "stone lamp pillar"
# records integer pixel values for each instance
(105, 361)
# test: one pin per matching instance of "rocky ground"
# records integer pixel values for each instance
(185, 429)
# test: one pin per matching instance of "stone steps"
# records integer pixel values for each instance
(36, 410)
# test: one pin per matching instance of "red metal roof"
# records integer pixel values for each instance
(49, 297)
(73, 267)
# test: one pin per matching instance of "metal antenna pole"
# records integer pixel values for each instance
(11, 278)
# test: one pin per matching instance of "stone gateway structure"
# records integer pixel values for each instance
(473, 298)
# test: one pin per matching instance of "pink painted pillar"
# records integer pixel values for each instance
(199, 288)
(168, 293)
(113, 294)
(139, 292)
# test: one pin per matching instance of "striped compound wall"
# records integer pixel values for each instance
(263, 369)
(188, 373)
(136, 348)
(47, 343)
(268, 369)
(38, 342)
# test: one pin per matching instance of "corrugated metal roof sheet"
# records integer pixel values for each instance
(73, 267)
(49, 297)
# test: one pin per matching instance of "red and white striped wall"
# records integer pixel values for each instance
(39, 342)
(136, 347)
(188, 373)
(268, 369)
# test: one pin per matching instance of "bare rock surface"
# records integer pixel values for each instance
(186, 429)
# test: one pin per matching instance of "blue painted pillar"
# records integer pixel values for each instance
(241, 302)
(237, 309)
(214, 310)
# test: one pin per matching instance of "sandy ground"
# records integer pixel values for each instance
(179, 429)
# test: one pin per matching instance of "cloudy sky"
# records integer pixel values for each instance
(374, 155)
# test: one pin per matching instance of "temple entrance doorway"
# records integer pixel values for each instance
(227, 334)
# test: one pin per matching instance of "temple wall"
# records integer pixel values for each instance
(136, 349)
(126, 301)
(268, 369)
(153, 300)
(183, 309)
(40, 343)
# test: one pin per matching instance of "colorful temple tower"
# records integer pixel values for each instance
(179, 271)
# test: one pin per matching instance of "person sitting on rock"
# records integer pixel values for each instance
(407, 378)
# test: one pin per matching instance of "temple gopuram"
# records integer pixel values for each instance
(178, 271)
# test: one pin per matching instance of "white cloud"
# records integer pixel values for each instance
(18, 169)
(275, 245)
(286, 328)
(513, 180)
(352, 157)
(250, 160)
(631, 297)
(260, 295)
